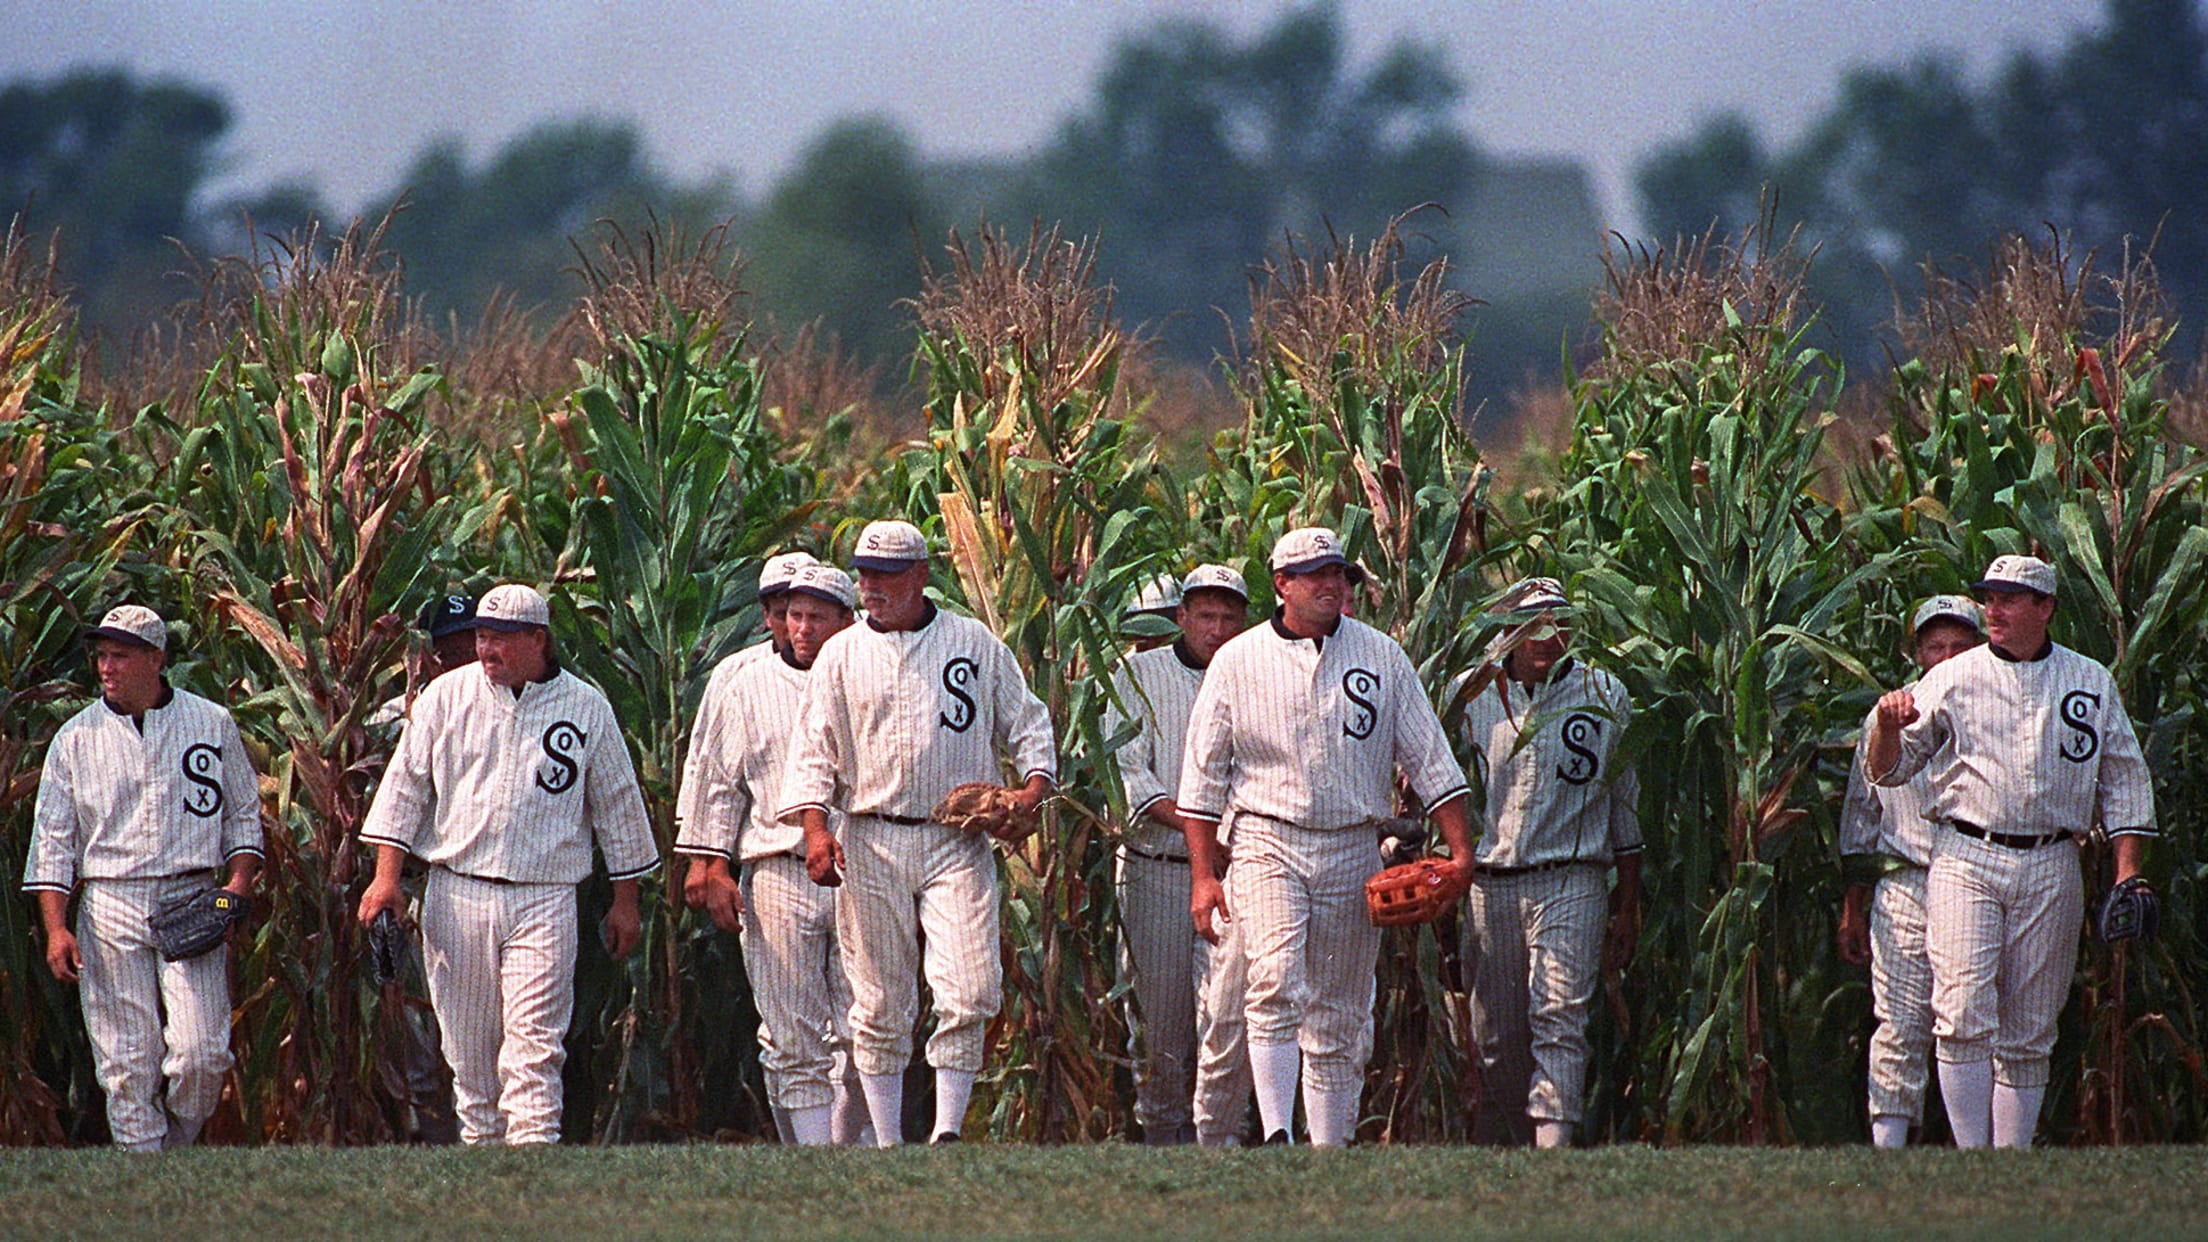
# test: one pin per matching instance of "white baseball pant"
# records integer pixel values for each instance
(902, 881)
(2001, 931)
(1155, 954)
(1535, 944)
(1901, 996)
(151, 1020)
(1311, 950)
(1221, 972)
(501, 965)
(797, 981)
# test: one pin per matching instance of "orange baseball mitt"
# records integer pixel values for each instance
(1415, 892)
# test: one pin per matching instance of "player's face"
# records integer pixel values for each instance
(454, 650)
(811, 622)
(1941, 641)
(513, 658)
(777, 609)
(1540, 650)
(1313, 601)
(895, 598)
(1208, 619)
(129, 673)
(2016, 621)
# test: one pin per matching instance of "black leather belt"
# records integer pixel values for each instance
(487, 879)
(2006, 840)
(1480, 869)
(1153, 855)
(909, 821)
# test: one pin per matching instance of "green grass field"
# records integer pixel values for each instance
(1102, 1192)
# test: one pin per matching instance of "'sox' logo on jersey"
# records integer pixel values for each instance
(957, 676)
(2079, 707)
(1579, 732)
(1362, 687)
(203, 768)
(561, 740)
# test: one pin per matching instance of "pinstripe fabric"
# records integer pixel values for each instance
(901, 882)
(1222, 1100)
(501, 966)
(115, 803)
(1886, 819)
(151, 1020)
(1159, 688)
(707, 742)
(1310, 949)
(1535, 944)
(1156, 956)
(1901, 995)
(513, 788)
(1554, 792)
(797, 980)
(739, 757)
(2001, 929)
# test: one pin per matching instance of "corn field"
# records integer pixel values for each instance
(297, 461)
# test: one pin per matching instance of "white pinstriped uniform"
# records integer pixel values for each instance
(1222, 979)
(1559, 811)
(732, 783)
(137, 818)
(1303, 740)
(2028, 748)
(504, 797)
(1159, 949)
(1888, 826)
(892, 720)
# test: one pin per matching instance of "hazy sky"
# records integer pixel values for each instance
(343, 93)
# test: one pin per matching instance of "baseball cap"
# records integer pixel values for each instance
(780, 571)
(1306, 549)
(133, 623)
(446, 614)
(512, 607)
(1945, 608)
(1214, 578)
(1159, 596)
(890, 547)
(2017, 573)
(1533, 595)
(825, 582)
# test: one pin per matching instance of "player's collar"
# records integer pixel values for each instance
(2046, 648)
(1188, 661)
(926, 619)
(167, 696)
(1280, 627)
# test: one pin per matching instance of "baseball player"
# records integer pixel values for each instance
(144, 796)
(1300, 729)
(1160, 597)
(1560, 814)
(897, 712)
(788, 923)
(2026, 744)
(1885, 848)
(1159, 951)
(449, 623)
(508, 771)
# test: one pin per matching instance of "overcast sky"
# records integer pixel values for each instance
(343, 93)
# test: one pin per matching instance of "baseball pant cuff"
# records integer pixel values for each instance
(2020, 1072)
(812, 1127)
(885, 1103)
(1274, 1069)
(1967, 1088)
(2015, 1114)
(953, 1088)
(1888, 1131)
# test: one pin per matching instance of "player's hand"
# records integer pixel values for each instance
(62, 956)
(694, 873)
(382, 895)
(722, 899)
(824, 859)
(1855, 928)
(1205, 898)
(1897, 709)
(623, 929)
(1624, 937)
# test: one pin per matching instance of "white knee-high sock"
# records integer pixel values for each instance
(851, 1126)
(953, 1088)
(885, 1102)
(1967, 1086)
(810, 1126)
(2015, 1114)
(1330, 1115)
(1552, 1134)
(1889, 1131)
(1274, 1069)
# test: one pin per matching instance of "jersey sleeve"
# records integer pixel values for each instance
(51, 865)
(1137, 758)
(1860, 812)
(241, 793)
(1919, 741)
(407, 796)
(616, 805)
(1207, 753)
(809, 772)
(2124, 793)
(1022, 722)
(1422, 751)
(698, 769)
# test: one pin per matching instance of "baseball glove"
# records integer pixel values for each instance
(386, 943)
(194, 923)
(977, 807)
(1416, 892)
(2130, 911)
